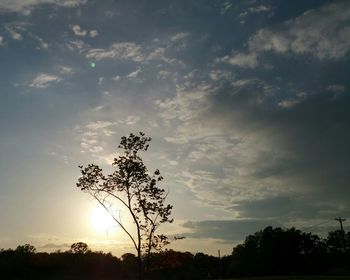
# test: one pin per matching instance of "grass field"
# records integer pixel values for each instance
(296, 278)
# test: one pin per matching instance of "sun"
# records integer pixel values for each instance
(101, 221)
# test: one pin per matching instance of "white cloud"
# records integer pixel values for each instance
(219, 159)
(99, 125)
(173, 162)
(185, 105)
(259, 9)
(78, 31)
(267, 40)
(1, 40)
(93, 33)
(13, 30)
(96, 149)
(100, 80)
(134, 74)
(291, 102)
(162, 74)
(323, 33)
(111, 14)
(65, 70)
(243, 60)
(131, 120)
(124, 51)
(225, 7)
(244, 82)
(255, 10)
(43, 44)
(16, 30)
(93, 134)
(179, 36)
(77, 44)
(159, 54)
(15, 35)
(98, 108)
(336, 88)
(21, 6)
(288, 103)
(218, 75)
(44, 80)
(130, 51)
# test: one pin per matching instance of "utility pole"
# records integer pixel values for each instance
(341, 220)
(220, 264)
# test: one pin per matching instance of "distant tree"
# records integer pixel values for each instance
(25, 249)
(79, 248)
(132, 187)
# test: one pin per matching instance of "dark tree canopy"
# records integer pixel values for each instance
(79, 248)
(132, 187)
(26, 249)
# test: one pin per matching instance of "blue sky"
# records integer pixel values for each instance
(247, 103)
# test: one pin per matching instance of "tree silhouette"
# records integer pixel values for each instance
(79, 248)
(26, 249)
(132, 187)
(277, 251)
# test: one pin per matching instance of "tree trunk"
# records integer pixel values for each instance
(139, 264)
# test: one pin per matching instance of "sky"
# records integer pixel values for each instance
(247, 104)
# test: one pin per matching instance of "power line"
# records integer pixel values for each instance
(322, 223)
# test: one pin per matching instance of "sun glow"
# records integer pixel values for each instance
(101, 220)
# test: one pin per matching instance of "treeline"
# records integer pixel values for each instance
(272, 251)
(25, 263)
(276, 251)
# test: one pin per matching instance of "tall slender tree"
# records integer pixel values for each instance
(131, 186)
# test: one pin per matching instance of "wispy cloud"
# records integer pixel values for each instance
(65, 70)
(134, 74)
(226, 6)
(245, 60)
(104, 125)
(123, 51)
(94, 135)
(79, 45)
(179, 36)
(337, 89)
(130, 120)
(255, 10)
(186, 105)
(15, 30)
(20, 5)
(44, 80)
(291, 102)
(322, 32)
